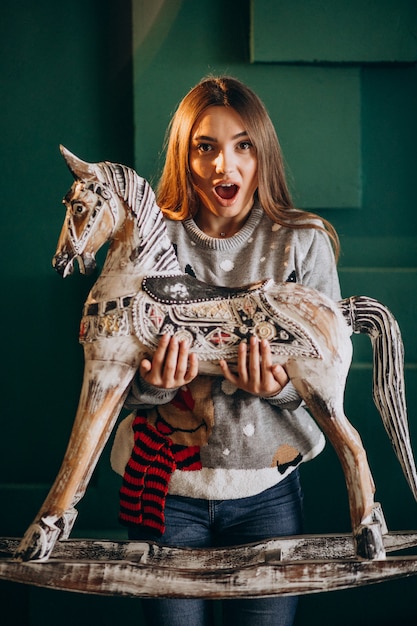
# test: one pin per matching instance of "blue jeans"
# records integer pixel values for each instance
(208, 523)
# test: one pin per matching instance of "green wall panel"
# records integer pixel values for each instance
(334, 31)
(63, 81)
(395, 287)
(325, 159)
(66, 77)
(380, 252)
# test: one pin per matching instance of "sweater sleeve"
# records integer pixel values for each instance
(319, 272)
(143, 395)
(288, 398)
(319, 266)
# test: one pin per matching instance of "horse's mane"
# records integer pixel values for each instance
(125, 182)
(139, 197)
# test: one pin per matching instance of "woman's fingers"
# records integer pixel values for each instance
(172, 365)
(256, 372)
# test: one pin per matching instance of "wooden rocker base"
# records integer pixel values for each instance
(278, 567)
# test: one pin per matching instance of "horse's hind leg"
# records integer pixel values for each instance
(366, 515)
(102, 396)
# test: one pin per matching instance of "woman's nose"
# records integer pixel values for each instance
(224, 163)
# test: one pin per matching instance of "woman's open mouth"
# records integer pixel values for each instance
(227, 191)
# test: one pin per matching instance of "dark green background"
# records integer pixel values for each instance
(86, 74)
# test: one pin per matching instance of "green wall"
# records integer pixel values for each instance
(348, 128)
(66, 77)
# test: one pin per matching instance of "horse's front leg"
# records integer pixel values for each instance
(103, 392)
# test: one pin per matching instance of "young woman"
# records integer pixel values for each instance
(213, 460)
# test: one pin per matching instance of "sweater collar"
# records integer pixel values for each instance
(227, 243)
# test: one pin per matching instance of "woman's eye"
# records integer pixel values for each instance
(245, 145)
(204, 147)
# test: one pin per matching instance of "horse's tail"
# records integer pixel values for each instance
(368, 316)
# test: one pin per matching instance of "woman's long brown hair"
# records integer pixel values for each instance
(175, 194)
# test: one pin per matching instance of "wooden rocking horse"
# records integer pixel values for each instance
(308, 333)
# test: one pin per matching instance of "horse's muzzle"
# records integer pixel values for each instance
(63, 263)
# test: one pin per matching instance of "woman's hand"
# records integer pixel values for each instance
(256, 373)
(172, 365)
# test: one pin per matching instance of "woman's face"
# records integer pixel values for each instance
(223, 164)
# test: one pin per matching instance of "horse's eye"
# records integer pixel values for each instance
(78, 208)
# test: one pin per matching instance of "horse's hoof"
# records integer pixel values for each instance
(39, 540)
(68, 521)
(369, 542)
(378, 517)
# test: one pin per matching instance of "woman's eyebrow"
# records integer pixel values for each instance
(213, 139)
(204, 138)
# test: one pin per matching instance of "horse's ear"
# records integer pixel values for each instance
(78, 168)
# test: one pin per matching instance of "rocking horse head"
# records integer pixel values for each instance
(92, 217)
(98, 204)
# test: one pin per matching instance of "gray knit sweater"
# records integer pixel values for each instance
(246, 443)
